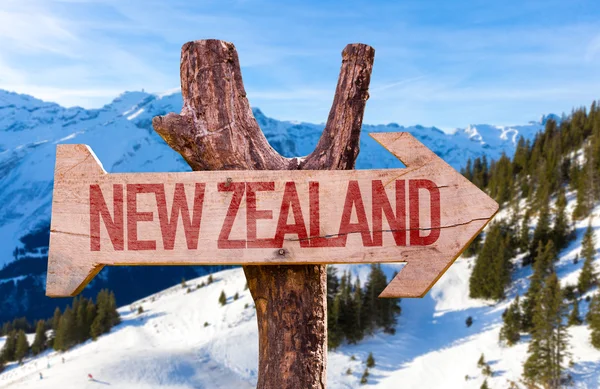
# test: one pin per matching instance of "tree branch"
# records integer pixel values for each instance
(338, 147)
(217, 131)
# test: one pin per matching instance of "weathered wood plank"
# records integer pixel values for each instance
(423, 215)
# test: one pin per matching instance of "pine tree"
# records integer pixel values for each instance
(334, 331)
(65, 334)
(560, 231)
(593, 318)
(492, 271)
(543, 266)
(574, 318)
(346, 314)
(363, 379)
(510, 333)
(10, 346)
(56, 320)
(222, 298)
(376, 312)
(474, 247)
(541, 234)
(549, 337)
(106, 314)
(587, 277)
(39, 343)
(22, 346)
(586, 186)
(481, 361)
(484, 385)
(370, 361)
(90, 316)
(113, 313)
(354, 329)
(333, 284)
(82, 327)
(210, 280)
(524, 240)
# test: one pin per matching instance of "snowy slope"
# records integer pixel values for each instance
(168, 346)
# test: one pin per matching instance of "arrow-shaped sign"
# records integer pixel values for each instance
(424, 215)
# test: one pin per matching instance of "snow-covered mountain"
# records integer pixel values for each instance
(170, 346)
(122, 137)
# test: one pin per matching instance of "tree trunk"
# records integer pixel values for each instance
(217, 131)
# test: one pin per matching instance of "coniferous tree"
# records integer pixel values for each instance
(473, 248)
(484, 385)
(492, 269)
(587, 277)
(56, 319)
(560, 230)
(543, 266)
(66, 334)
(222, 298)
(7, 328)
(113, 313)
(586, 183)
(593, 319)
(481, 361)
(22, 346)
(10, 346)
(347, 315)
(510, 333)
(333, 284)
(574, 318)
(370, 361)
(547, 350)
(80, 311)
(334, 331)
(355, 332)
(378, 313)
(363, 379)
(524, 240)
(39, 343)
(90, 315)
(541, 234)
(106, 314)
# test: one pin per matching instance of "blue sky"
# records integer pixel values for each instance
(442, 63)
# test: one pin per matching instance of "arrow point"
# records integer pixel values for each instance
(67, 276)
(406, 148)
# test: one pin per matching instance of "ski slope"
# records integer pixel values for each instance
(169, 346)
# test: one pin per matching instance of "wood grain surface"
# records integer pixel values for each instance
(423, 215)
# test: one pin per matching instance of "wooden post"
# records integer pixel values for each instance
(217, 131)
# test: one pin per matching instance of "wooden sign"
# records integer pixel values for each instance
(424, 215)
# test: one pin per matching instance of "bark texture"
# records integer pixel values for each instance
(217, 131)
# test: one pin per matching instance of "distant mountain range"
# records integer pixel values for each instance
(121, 135)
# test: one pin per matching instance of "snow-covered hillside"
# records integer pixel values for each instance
(187, 340)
